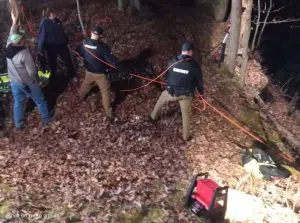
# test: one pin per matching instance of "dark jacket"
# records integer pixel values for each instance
(100, 50)
(184, 77)
(51, 32)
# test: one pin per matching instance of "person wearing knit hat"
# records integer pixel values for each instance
(184, 77)
(23, 78)
(15, 38)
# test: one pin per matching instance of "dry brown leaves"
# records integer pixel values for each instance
(81, 168)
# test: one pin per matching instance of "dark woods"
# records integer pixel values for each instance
(280, 46)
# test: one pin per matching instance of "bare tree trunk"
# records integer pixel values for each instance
(248, 4)
(289, 137)
(264, 24)
(233, 45)
(257, 25)
(80, 18)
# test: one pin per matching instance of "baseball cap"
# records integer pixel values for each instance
(97, 30)
(16, 38)
(187, 46)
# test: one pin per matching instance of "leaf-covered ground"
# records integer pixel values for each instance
(82, 168)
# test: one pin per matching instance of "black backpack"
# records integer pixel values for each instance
(261, 165)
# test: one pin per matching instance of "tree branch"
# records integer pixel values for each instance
(264, 24)
(257, 26)
(279, 9)
(290, 138)
(278, 21)
(79, 17)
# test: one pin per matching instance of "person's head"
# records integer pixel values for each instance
(17, 40)
(187, 49)
(96, 33)
(49, 13)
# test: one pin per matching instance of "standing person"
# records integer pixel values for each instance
(184, 77)
(92, 49)
(23, 77)
(53, 40)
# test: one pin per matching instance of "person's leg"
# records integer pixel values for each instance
(164, 97)
(51, 57)
(37, 96)
(64, 53)
(19, 100)
(86, 85)
(104, 87)
(185, 106)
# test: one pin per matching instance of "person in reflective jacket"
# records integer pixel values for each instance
(93, 51)
(184, 77)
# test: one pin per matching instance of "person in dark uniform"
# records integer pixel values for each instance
(184, 77)
(53, 40)
(96, 71)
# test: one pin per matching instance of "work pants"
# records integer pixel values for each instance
(185, 106)
(61, 50)
(101, 80)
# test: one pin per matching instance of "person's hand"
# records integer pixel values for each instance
(13, 18)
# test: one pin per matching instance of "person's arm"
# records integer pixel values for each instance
(106, 53)
(13, 29)
(30, 65)
(80, 49)
(41, 35)
(199, 80)
(58, 21)
(170, 63)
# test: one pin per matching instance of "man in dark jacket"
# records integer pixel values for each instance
(53, 40)
(23, 77)
(93, 51)
(184, 77)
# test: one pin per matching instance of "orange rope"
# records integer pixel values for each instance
(153, 80)
(230, 120)
(134, 75)
(204, 102)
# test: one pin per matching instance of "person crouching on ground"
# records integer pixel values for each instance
(23, 77)
(184, 77)
(92, 49)
(53, 40)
